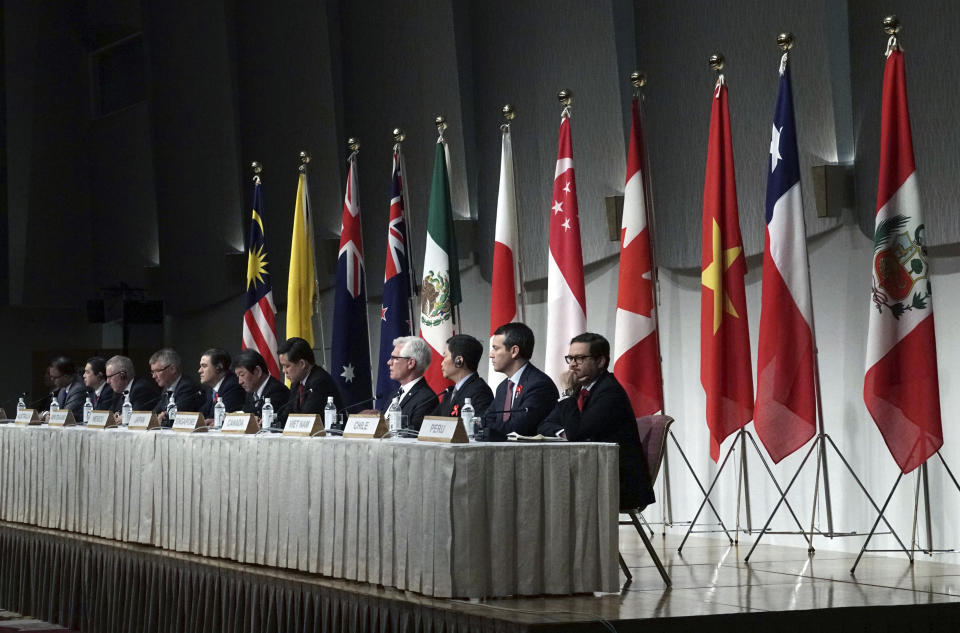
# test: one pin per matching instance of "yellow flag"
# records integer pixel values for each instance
(301, 284)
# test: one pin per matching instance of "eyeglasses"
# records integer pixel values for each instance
(394, 359)
(116, 373)
(154, 372)
(579, 358)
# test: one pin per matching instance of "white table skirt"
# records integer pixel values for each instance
(468, 520)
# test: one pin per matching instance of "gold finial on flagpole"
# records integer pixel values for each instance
(441, 121)
(398, 135)
(785, 41)
(353, 143)
(565, 96)
(256, 168)
(304, 159)
(716, 62)
(508, 113)
(891, 25)
(638, 79)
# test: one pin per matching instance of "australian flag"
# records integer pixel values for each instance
(395, 310)
(350, 356)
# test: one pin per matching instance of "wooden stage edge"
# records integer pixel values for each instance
(98, 585)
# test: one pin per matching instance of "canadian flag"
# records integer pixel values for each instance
(566, 299)
(901, 386)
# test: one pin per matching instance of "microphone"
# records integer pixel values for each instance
(358, 403)
(510, 411)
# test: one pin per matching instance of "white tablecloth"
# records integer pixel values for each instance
(477, 520)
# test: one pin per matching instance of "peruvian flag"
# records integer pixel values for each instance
(786, 409)
(566, 299)
(506, 271)
(440, 290)
(636, 350)
(901, 388)
(725, 371)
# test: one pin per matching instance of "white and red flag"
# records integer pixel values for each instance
(636, 350)
(785, 413)
(566, 299)
(901, 387)
(505, 285)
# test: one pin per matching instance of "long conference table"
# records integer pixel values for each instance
(445, 520)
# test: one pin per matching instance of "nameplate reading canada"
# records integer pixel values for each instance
(238, 423)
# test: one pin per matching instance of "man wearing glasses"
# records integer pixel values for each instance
(408, 362)
(595, 408)
(122, 379)
(166, 367)
(69, 390)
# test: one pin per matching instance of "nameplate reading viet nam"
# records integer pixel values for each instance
(143, 421)
(241, 423)
(189, 421)
(63, 417)
(303, 425)
(102, 420)
(442, 429)
(27, 417)
(365, 426)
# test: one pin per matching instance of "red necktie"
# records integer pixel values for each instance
(508, 401)
(582, 398)
(300, 395)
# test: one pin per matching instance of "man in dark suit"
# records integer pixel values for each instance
(166, 367)
(121, 377)
(70, 392)
(408, 362)
(255, 379)
(595, 408)
(215, 374)
(310, 384)
(95, 380)
(459, 365)
(527, 396)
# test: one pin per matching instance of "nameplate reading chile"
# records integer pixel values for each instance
(365, 426)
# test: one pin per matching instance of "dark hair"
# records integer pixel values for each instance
(599, 346)
(468, 347)
(297, 349)
(63, 365)
(219, 358)
(518, 334)
(250, 359)
(98, 365)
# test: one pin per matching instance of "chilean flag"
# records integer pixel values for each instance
(636, 350)
(566, 299)
(725, 371)
(901, 387)
(785, 411)
(505, 284)
(350, 354)
(395, 320)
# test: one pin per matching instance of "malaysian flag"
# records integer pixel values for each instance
(350, 355)
(259, 319)
(395, 310)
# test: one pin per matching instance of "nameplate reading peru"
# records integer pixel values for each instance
(442, 429)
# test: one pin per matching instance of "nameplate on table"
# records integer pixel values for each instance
(303, 425)
(102, 420)
(365, 426)
(27, 417)
(189, 422)
(63, 417)
(437, 428)
(240, 423)
(143, 421)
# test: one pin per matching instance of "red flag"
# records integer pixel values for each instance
(636, 351)
(901, 387)
(725, 370)
(566, 299)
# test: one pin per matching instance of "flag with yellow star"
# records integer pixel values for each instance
(725, 368)
(259, 318)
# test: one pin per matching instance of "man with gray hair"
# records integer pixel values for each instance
(409, 359)
(122, 379)
(166, 367)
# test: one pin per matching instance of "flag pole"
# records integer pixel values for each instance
(441, 122)
(509, 113)
(398, 137)
(353, 145)
(304, 161)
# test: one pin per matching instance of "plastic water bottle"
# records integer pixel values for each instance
(171, 411)
(87, 410)
(266, 414)
(54, 405)
(126, 410)
(466, 414)
(329, 414)
(219, 412)
(394, 419)
(479, 435)
(21, 405)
